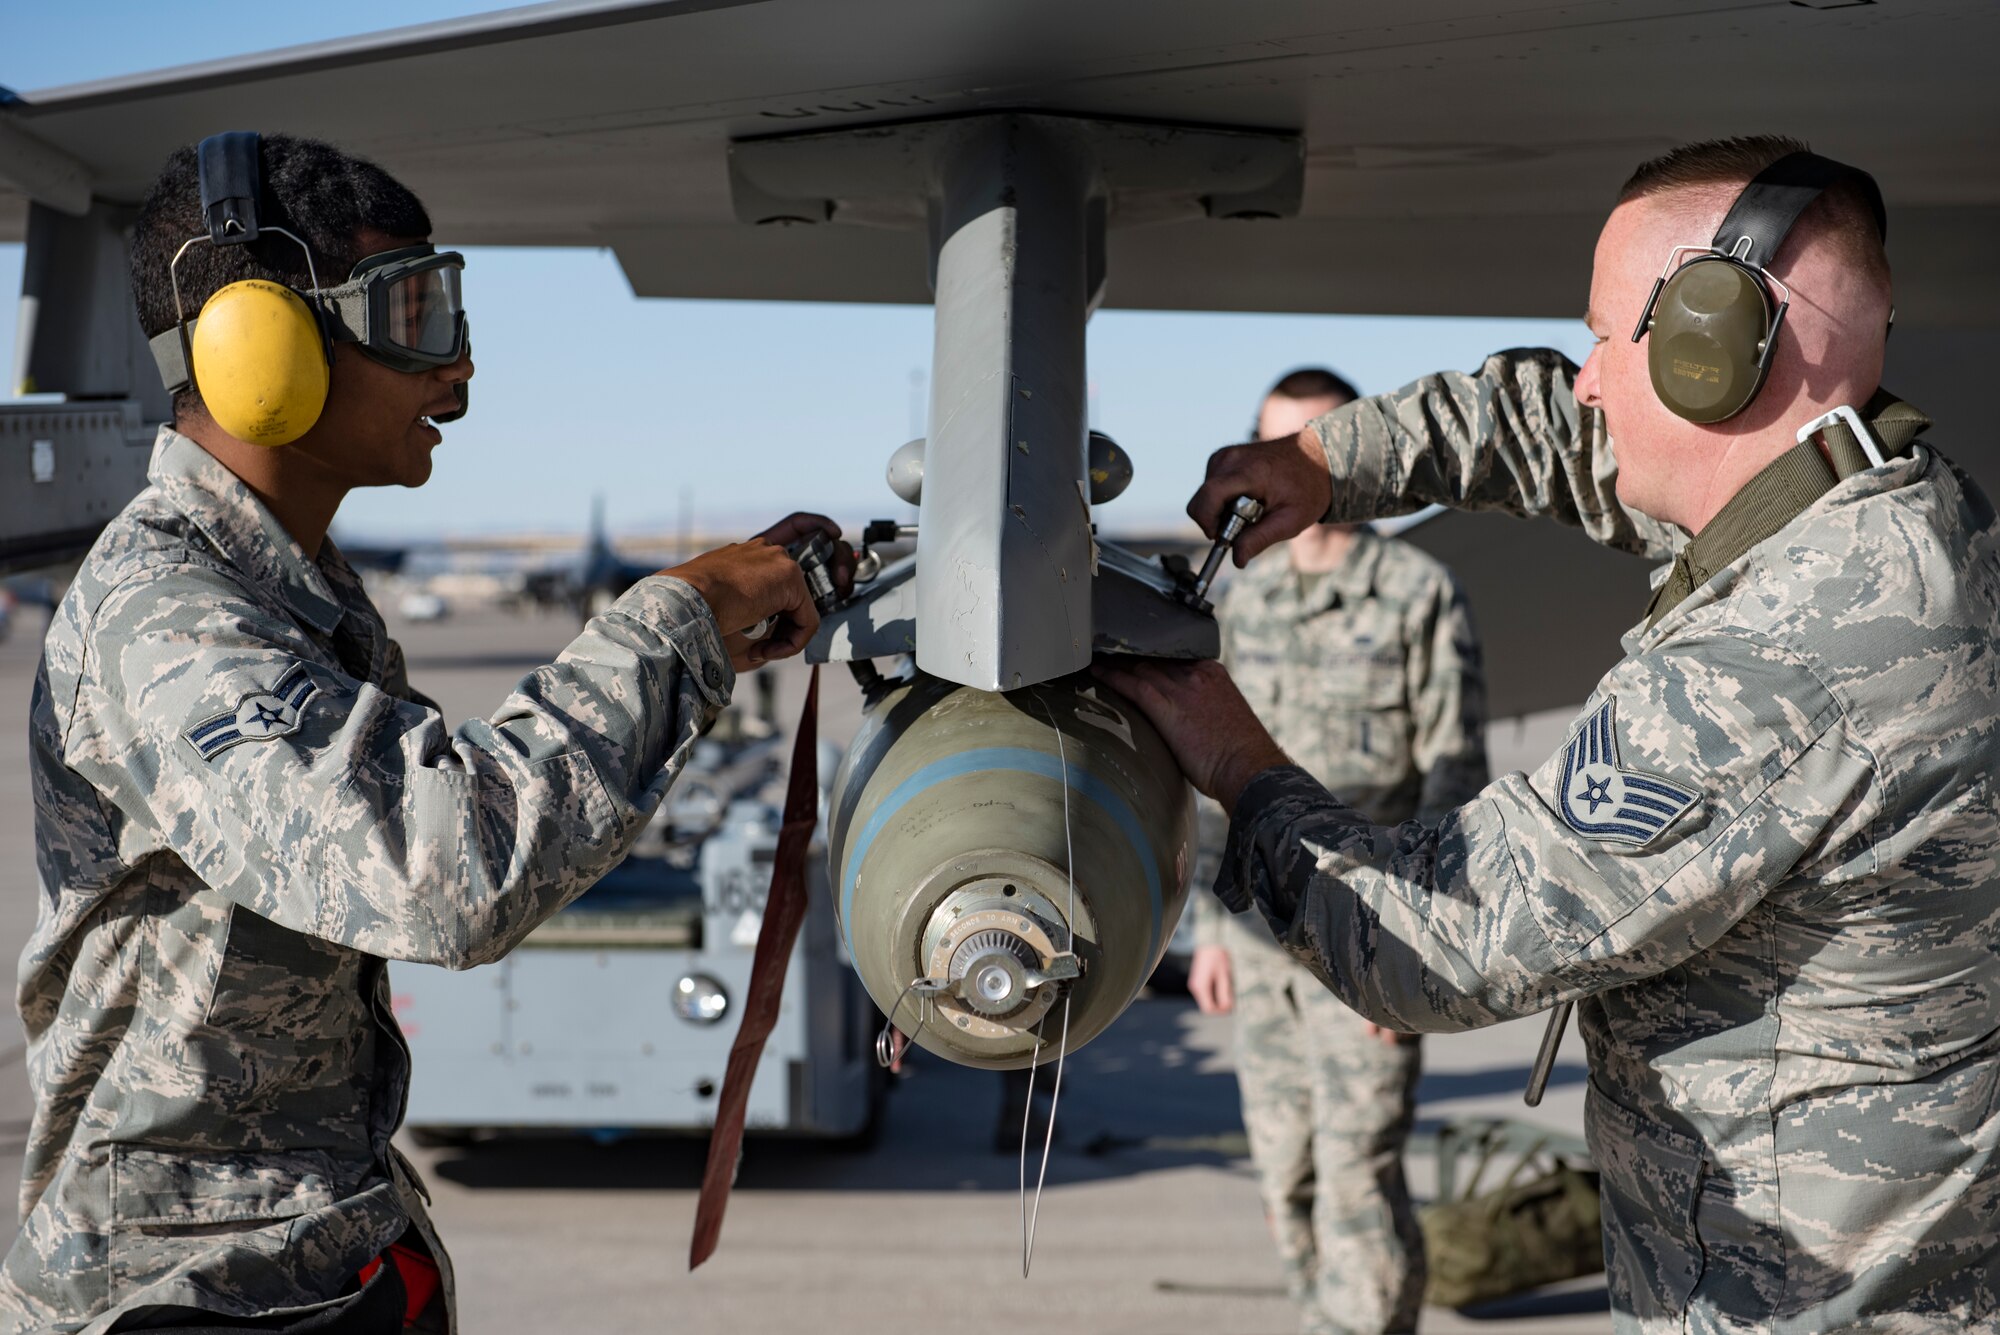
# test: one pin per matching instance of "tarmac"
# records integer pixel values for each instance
(1149, 1223)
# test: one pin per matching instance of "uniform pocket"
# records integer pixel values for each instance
(1353, 702)
(277, 988)
(156, 1188)
(1651, 1181)
(1368, 677)
(282, 1032)
(1374, 743)
(190, 1219)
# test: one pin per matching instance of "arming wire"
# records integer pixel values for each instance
(1030, 1218)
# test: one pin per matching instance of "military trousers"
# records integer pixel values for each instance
(1328, 1108)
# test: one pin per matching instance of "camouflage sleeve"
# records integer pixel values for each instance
(1447, 689)
(1510, 437)
(333, 808)
(1696, 780)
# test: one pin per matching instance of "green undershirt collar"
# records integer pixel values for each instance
(1783, 491)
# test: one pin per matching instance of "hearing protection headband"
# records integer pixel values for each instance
(1714, 326)
(403, 308)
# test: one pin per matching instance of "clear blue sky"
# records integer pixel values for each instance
(756, 408)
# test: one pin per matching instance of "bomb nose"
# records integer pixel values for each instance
(996, 947)
(991, 971)
(995, 854)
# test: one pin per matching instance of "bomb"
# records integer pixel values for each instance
(1005, 862)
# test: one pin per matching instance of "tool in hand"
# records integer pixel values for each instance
(815, 557)
(1243, 512)
(1545, 1060)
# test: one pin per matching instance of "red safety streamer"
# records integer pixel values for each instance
(784, 911)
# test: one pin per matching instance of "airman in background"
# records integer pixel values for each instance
(1358, 654)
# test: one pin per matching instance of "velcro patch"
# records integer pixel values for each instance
(1602, 800)
(258, 716)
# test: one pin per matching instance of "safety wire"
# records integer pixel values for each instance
(885, 1042)
(1029, 1218)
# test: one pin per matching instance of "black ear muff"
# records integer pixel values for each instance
(1713, 328)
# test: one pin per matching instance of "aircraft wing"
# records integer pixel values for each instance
(1459, 153)
(1458, 158)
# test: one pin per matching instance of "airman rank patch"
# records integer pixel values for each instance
(1605, 802)
(258, 716)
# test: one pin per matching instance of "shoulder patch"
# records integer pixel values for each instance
(259, 716)
(1602, 800)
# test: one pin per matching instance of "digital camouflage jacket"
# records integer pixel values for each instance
(1764, 863)
(241, 812)
(1369, 676)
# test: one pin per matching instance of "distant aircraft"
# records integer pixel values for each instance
(382, 558)
(592, 581)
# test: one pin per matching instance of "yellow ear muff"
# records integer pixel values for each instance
(260, 362)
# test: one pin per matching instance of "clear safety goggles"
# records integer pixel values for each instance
(404, 308)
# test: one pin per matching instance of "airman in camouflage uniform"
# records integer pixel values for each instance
(1764, 863)
(1358, 651)
(242, 811)
(1369, 676)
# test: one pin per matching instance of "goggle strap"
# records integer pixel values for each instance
(345, 309)
(170, 355)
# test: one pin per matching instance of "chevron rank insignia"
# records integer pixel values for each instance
(1603, 801)
(258, 716)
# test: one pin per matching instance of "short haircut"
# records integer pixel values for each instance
(1313, 382)
(1844, 214)
(313, 190)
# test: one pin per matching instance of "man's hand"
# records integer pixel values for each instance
(749, 581)
(1393, 1037)
(1210, 982)
(801, 525)
(1205, 720)
(1288, 474)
